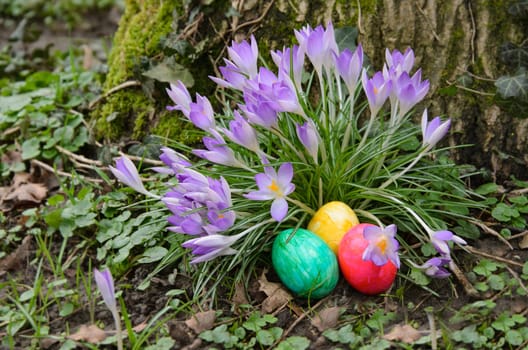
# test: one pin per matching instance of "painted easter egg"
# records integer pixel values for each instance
(304, 263)
(332, 221)
(364, 276)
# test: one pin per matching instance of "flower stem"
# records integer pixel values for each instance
(119, 335)
(370, 216)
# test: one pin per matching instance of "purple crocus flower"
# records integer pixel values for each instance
(319, 45)
(233, 78)
(181, 97)
(434, 267)
(434, 130)
(276, 186)
(201, 113)
(126, 172)
(409, 91)
(377, 90)
(382, 245)
(242, 133)
(200, 205)
(283, 60)
(244, 56)
(217, 151)
(211, 246)
(105, 284)
(241, 66)
(349, 66)
(400, 62)
(278, 92)
(173, 161)
(309, 137)
(259, 110)
(440, 240)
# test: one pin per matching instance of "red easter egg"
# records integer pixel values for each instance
(364, 276)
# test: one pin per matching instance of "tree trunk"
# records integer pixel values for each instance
(457, 44)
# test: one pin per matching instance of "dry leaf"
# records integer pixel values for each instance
(523, 244)
(16, 260)
(11, 157)
(327, 318)
(240, 297)
(201, 321)
(405, 333)
(277, 295)
(20, 179)
(91, 334)
(138, 328)
(29, 192)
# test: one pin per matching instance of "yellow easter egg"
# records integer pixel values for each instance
(332, 221)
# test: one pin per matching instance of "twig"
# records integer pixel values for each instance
(519, 191)
(296, 322)
(516, 276)
(490, 256)
(62, 173)
(492, 232)
(141, 159)
(124, 85)
(78, 157)
(473, 32)
(10, 131)
(519, 235)
(468, 287)
(256, 20)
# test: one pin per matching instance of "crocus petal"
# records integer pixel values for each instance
(279, 209)
(105, 283)
(126, 172)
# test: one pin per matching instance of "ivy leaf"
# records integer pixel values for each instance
(513, 55)
(346, 37)
(513, 86)
(169, 71)
(519, 8)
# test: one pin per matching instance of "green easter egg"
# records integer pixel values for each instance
(305, 263)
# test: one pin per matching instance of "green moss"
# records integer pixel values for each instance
(141, 27)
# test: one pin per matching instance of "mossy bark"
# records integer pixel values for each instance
(452, 39)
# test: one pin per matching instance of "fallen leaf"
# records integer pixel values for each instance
(20, 179)
(327, 318)
(523, 244)
(277, 296)
(30, 192)
(405, 333)
(138, 328)
(201, 321)
(91, 334)
(16, 260)
(11, 157)
(240, 298)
